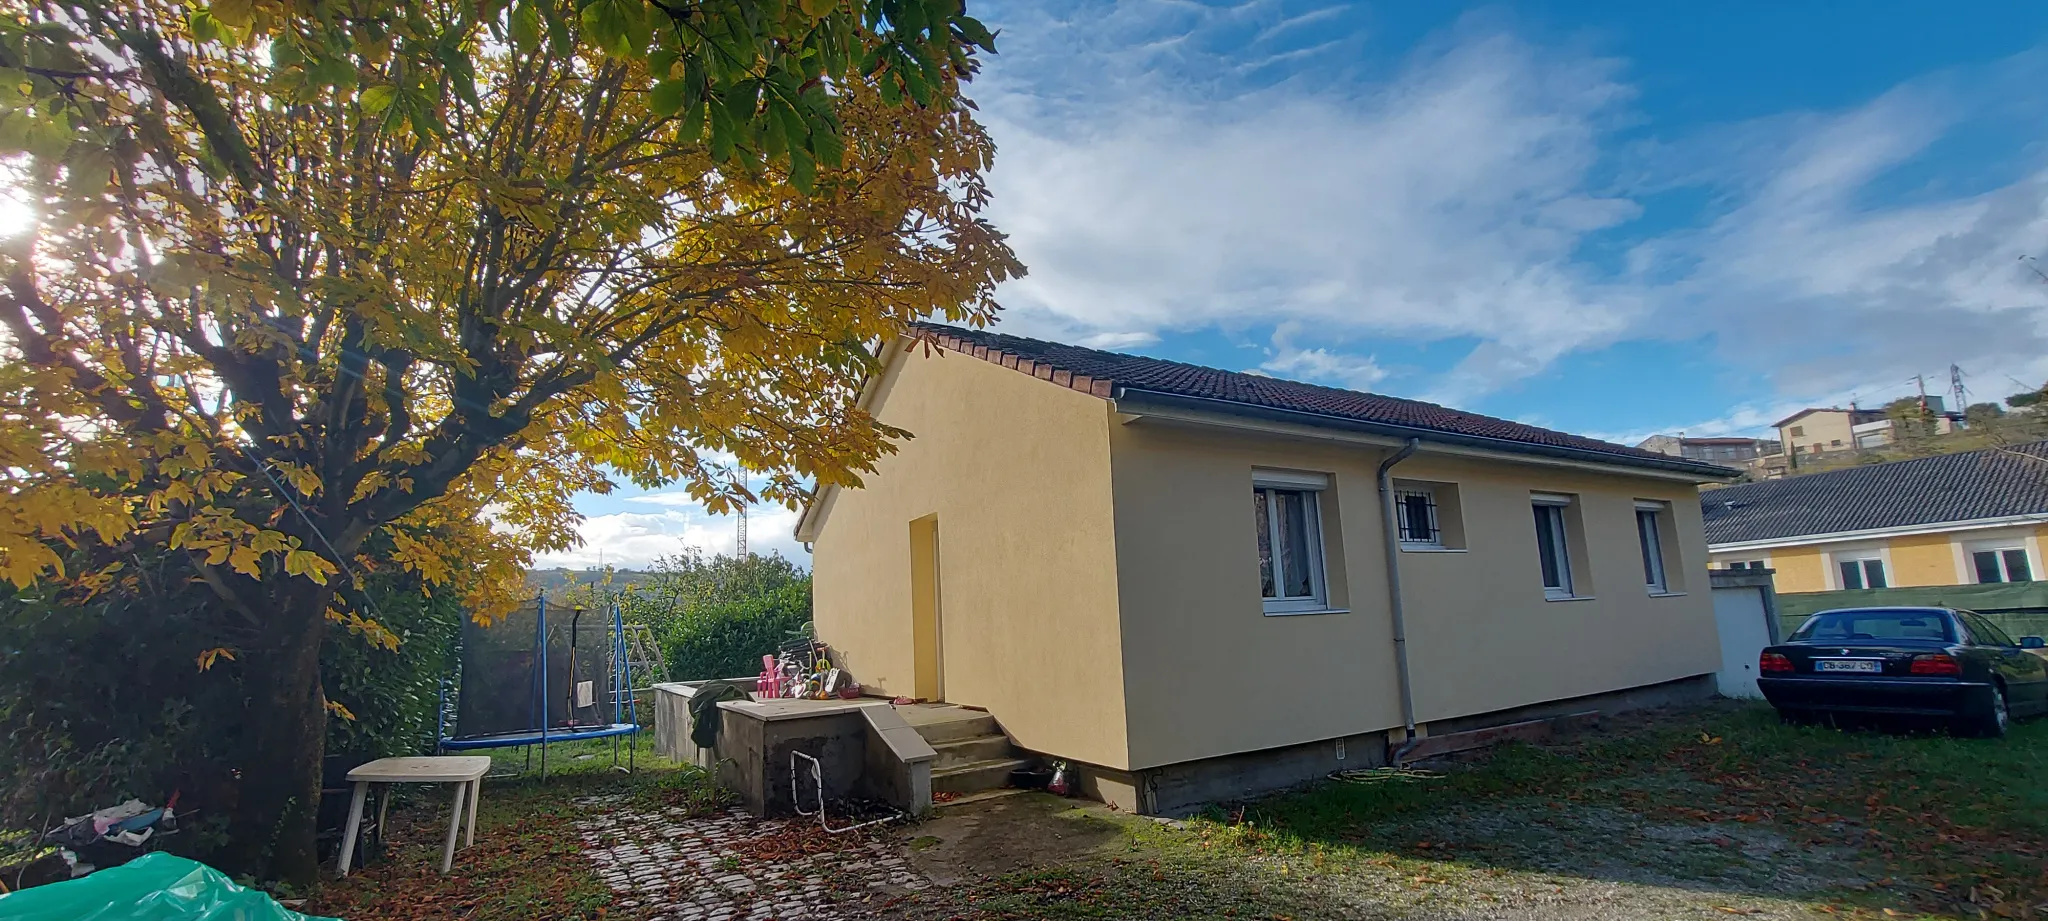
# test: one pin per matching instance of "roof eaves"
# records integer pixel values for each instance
(1135, 400)
(1096, 386)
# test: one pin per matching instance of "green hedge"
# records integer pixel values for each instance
(716, 616)
(726, 639)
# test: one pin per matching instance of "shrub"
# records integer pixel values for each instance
(716, 616)
(726, 638)
(103, 698)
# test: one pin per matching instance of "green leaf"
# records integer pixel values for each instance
(802, 172)
(662, 62)
(236, 14)
(378, 98)
(975, 33)
(204, 27)
(692, 128)
(827, 145)
(526, 27)
(605, 23)
(667, 98)
(722, 131)
(639, 27)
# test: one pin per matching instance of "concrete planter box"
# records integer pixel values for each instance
(864, 749)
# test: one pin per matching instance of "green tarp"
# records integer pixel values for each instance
(153, 887)
(2018, 608)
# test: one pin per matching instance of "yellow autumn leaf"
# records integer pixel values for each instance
(207, 658)
(309, 564)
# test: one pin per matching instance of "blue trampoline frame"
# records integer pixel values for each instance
(622, 686)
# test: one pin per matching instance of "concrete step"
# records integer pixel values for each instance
(966, 751)
(939, 723)
(976, 776)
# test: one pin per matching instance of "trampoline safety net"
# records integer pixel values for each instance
(503, 690)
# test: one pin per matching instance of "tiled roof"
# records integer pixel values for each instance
(1993, 483)
(1102, 373)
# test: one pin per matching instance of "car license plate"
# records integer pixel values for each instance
(1867, 666)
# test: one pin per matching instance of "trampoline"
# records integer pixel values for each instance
(526, 681)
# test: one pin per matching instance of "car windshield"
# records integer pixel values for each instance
(1834, 626)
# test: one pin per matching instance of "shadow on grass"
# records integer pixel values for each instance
(1721, 799)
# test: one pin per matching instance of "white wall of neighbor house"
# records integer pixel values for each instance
(1209, 671)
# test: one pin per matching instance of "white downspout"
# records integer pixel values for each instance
(1391, 536)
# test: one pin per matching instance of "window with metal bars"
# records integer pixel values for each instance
(1415, 516)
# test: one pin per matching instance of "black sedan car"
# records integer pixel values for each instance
(1938, 662)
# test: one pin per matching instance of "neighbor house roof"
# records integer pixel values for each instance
(1120, 376)
(1995, 483)
(1856, 415)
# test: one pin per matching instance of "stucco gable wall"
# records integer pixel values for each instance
(1017, 471)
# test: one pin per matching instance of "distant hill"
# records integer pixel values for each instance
(555, 583)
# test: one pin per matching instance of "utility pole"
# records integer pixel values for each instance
(742, 551)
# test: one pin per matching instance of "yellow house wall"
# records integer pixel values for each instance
(1922, 559)
(1207, 673)
(1800, 569)
(1822, 429)
(1912, 561)
(1017, 472)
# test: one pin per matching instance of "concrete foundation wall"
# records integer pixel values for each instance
(1185, 788)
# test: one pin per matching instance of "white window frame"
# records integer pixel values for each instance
(1883, 555)
(1561, 545)
(1435, 540)
(2023, 543)
(1745, 565)
(1651, 543)
(1311, 485)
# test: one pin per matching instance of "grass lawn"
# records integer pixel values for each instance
(1720, 802)
(1700, 813)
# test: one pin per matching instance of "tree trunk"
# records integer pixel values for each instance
(273, 825)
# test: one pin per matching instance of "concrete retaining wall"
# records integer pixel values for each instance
(863, 750)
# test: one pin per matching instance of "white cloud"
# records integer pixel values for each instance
(1153, 187)
(1806, 279)
(634, 540)
(1445, 202)
(1325, 366)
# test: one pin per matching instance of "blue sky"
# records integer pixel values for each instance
(1614, 219)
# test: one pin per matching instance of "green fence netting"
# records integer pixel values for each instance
(2018, 608)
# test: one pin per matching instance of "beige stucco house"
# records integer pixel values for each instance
(1179, 577)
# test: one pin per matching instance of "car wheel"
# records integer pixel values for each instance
(1990, 719)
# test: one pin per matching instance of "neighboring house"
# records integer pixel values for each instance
(1955, 519)
(1827, 430)
(1729, 450)
(1177, 577)
(1822, 430)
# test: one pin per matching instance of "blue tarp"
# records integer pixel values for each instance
(153, 887)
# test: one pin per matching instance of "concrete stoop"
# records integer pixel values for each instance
(973, 753)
